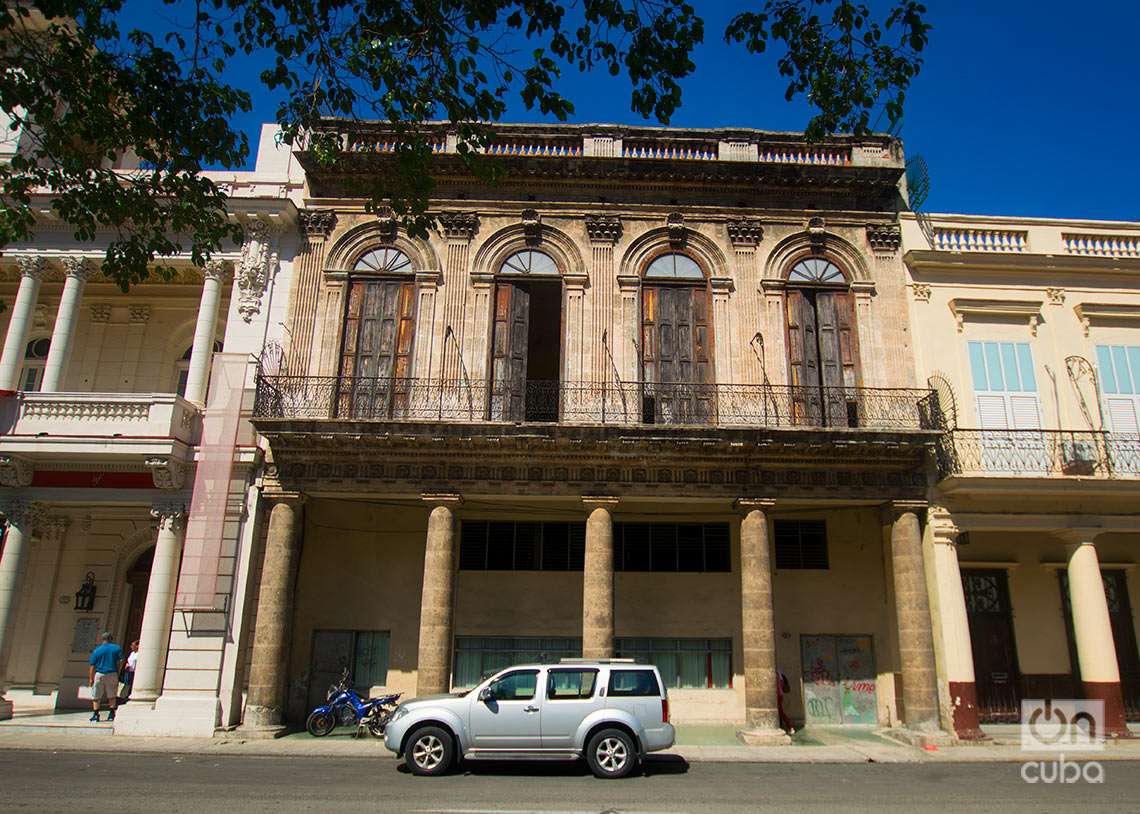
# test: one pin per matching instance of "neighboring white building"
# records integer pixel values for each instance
(102, 430)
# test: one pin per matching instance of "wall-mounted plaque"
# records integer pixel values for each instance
(86, 634)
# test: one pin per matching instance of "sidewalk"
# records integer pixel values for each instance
(695, 743)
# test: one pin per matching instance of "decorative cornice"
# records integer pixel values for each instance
(745, 232)
(449, 499)
(316, 223)
(15, 471)
(748, 504)
(721, 285)
(31, 265)
(773, 285)
(628, 282)
(885, 238)
(1088, 312)
(1030, 310)
(80, 268)
(603, 228)
(459, 225)
(167, 473)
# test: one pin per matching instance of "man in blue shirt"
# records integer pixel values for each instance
(104, 665)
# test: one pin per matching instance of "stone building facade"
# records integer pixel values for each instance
(696, 397)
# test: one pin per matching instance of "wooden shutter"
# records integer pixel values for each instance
(803, 359)
(511, 336)
(676, 354)
(992, 412)
(376, 347)
(1122, 415)
(1024, 412)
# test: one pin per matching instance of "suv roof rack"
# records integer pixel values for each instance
(596, 661)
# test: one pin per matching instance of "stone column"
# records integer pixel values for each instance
(158, 611)
(912, 606)
(78, 270)
(437, 602)
(598, 579)
(202, 351)
(1092, 632)
(758, 630)
(13, 564)
(948, 601)
(32, 270)
(269, 661)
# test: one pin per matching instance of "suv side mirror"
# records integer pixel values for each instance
(486, 695)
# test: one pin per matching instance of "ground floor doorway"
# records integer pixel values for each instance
(838, 679)
(996, 672)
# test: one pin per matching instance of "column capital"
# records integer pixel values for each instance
(436, 499)
(946, 531)
(170, 515)
(216, 270)
(279, 496)
(748, 504)
(897, 508)
(24, 514)
(52, 528)
(316, 223)
(80, 268)
(600, 501)
(603, 228)
(1080, 535)
(15, 471)
(459, 226)
(31, 265)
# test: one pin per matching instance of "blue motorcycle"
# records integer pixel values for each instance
(345, 707)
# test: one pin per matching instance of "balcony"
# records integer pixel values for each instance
(737, 406)
(53, 424)
(1038, 454)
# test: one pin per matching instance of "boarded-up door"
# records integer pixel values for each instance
(839, 680)
(676, 356)
(331, 656)
(509, 343)
(377, 349)
(823, 357)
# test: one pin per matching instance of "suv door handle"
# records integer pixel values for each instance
(530, 709)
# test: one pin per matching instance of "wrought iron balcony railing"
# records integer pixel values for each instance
(1038, 453)
(461, 400)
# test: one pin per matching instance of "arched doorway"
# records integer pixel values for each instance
(138, 578)
(823, 345)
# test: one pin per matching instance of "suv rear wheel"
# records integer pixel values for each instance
(430, 751)
(611, 754)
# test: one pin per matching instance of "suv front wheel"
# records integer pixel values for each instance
(611, 754)
(430, 751)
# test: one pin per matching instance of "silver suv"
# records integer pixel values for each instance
(611, 711)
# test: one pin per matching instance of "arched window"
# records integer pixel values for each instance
(182, 367)
(526, 346)
(823, 344)
(816, 270)
(35, 357)
(674, 266)
(529, 261)
(676, 346)
(385, 260)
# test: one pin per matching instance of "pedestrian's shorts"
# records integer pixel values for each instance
(106, 687)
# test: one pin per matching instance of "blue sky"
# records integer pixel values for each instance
(1022, 108)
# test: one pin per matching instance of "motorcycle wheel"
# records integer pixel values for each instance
(320, 724)
(376, 727)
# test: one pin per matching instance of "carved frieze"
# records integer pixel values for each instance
(603, 228)
(101, 312)
(884, 238)
(745, 232)
(139, 313)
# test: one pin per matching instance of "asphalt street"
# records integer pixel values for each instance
(168, 783)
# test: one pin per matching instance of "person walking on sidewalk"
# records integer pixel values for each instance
(103, 670)
(128, 674)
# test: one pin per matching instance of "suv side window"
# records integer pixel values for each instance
(517, 686)
(570, 684)
(632, 683)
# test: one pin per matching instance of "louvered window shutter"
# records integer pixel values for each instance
(992, 413)
(1122, 415)
(1024, 412)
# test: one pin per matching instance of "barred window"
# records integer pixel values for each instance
(801, 544)
(521, 546)
(477, 657)
(689, 547)
(683, 663)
